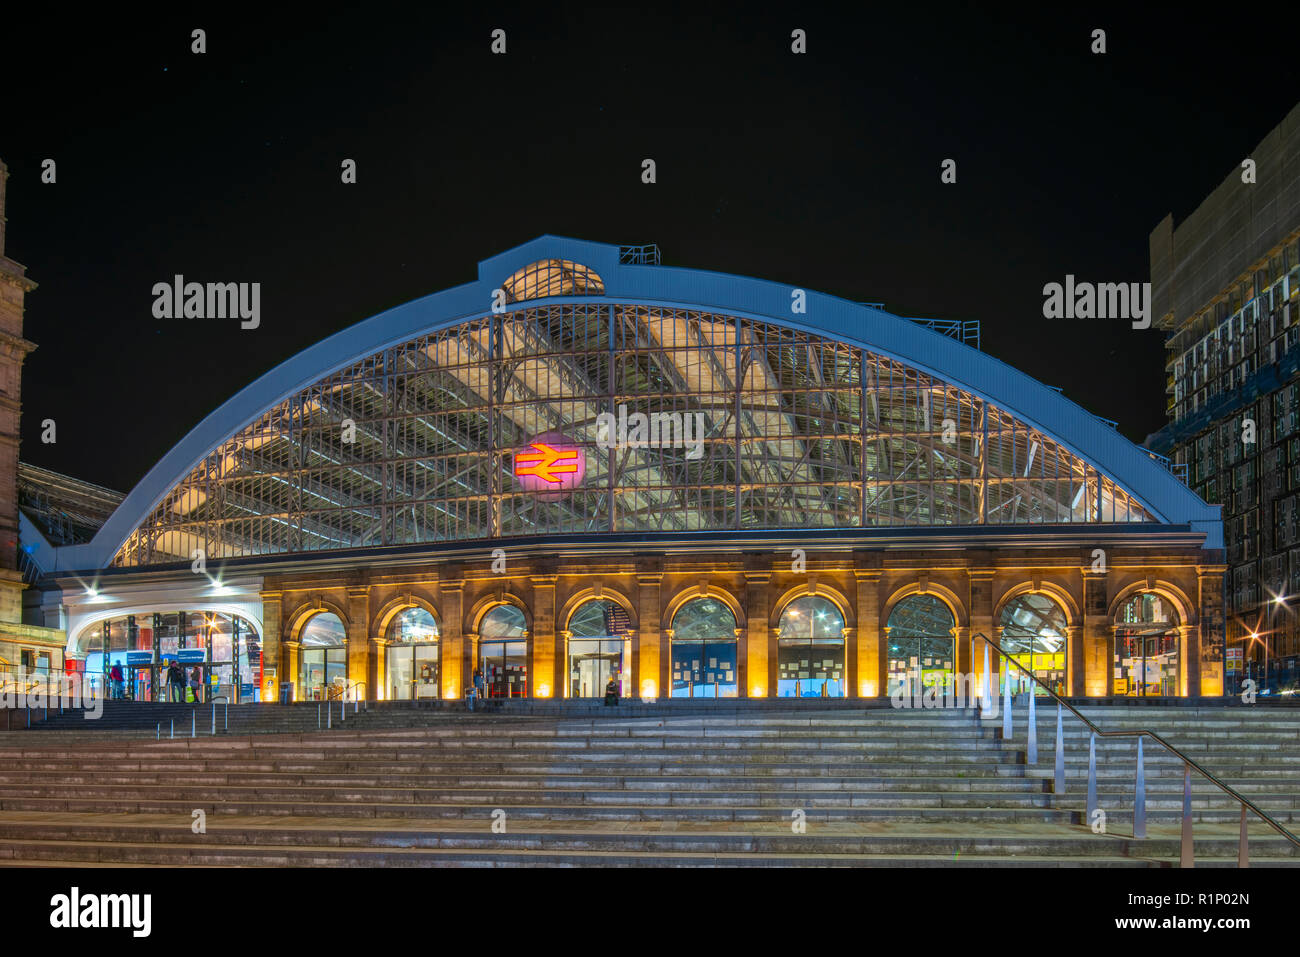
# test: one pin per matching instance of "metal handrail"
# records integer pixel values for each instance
(1138, 733)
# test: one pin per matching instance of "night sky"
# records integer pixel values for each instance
(819, 170)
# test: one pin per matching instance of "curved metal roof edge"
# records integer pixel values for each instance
(864, 326)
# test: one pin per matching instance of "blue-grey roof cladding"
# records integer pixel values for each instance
(947, 359)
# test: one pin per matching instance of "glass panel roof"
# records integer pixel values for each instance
(622, 418)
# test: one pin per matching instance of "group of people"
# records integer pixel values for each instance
(176, 683)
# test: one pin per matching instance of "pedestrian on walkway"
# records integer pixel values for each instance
(196, 685)
(611, 691)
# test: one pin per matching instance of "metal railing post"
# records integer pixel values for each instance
(1032, 756)
(193, 721)
(1243, 851)
(173, 729)
(1186, 857)
(157, 732)
(1092, 778)
(329, 715)
(1060, 754)
(317, 715)
(1140, 798)
(214, 718)
(1007, 727)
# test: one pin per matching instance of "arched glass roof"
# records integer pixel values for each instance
(843, 417)
(422, 442)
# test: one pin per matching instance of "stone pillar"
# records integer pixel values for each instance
(1074, 669)
(290, 666)
(1208, 678)
(849, 675)
(542, 660)
(871, 667)
(1188, 646)
(451, 594)
(757, 658)
(981, 623)
(271, 641)
(564, 679)
(1096, 672)
(647, 659)
(378, 672)
(359, 638)
(965, 689)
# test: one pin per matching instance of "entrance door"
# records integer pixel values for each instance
(704, 669)
(505, 669)
(1146, 665)
(592, 663)
(412, 671)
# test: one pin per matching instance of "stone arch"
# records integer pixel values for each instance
(581, 597)
(820, 589)
(697, 591)
(310, 609)
(1185, 606)
(1058, 594)
(399, 603)
(946, 595)
(474, 616)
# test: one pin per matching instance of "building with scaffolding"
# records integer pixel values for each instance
(1226, 288)
(427, 501)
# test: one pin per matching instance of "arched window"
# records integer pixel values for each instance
(503, 652)
(704, 659)
(599, 646)
(921, 652)
(324, 658)
(1033, 629)
(1147, 656)
(810, 650)
(411, 658)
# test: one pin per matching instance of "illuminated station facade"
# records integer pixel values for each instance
(588, 466)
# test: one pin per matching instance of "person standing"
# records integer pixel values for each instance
(611, 691)
(196, 686)
(175, 682)
(478, 682)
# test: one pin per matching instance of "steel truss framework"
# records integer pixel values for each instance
(800, 432)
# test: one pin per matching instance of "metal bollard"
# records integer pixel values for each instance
(1092, 778)
(1007, 727)
(1060, 754)
(1031, 755)
(1140, 798)
(1243, 852)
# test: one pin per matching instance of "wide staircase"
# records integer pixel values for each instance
(839, 787)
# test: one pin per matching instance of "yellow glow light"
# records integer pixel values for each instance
(543, 691)
(757, 691)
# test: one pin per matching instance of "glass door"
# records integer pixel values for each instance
(592, 662)
(704, 669)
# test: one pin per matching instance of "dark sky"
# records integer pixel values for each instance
(820, 170)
